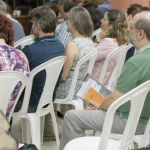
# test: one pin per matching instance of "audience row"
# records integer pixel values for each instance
(74, 39)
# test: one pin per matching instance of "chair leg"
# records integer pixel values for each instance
(35, 129)
(78, 104)
(42, 122)
(55, 125)
(26, 134)
(57, 107)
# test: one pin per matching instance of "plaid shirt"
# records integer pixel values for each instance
(62, 34)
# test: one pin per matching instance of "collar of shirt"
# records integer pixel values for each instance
(146, 46)
(46, 38)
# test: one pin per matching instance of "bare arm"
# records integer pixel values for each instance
(72, 52)
(107, 102)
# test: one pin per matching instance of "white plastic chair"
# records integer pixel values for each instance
(53, 68)
(137, 97)
(140, 140)
(8, 82)
(24, 41)
(96, 32)
(122, 50)
(58, 26)
(118, 68)
(78, 103)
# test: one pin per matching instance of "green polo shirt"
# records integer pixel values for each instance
(135, 72)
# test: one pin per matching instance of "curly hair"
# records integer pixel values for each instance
(6, 30)
(119, 26)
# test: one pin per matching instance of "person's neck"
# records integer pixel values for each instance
(77, 35)
(45, 34)
(2, 42)
(141, 44)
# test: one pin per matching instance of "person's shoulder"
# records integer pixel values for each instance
(109, 41)
(29, 47)
(17, 25)
(70, 44)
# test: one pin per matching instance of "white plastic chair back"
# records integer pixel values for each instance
(116, 69)
(96, 32)
(53, 68)
(58, 26)
(24, 41)
(8, 82)
(137, 97)
(91, 57)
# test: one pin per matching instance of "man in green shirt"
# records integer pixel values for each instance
(135, 72)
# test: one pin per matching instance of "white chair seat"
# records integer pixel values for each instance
(90, 143)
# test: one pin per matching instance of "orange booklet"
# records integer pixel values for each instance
(94, 96)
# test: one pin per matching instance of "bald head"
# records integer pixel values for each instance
(142, 22)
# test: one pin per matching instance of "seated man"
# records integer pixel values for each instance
(135, 72)
(61, 33)
(45, 48)
(19, 31)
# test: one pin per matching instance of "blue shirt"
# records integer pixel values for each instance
(62, 34)
(19, 31)
(130, 53)
(104, 7)
(44, 49)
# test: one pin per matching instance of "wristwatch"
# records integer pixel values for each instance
(96, 41)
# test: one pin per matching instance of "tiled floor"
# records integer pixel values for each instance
(16, 132)
(48, 145)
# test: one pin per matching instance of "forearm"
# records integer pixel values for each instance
(109, 100)
(105, 105)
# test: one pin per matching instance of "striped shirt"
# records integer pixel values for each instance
(62, 34)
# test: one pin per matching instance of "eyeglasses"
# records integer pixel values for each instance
(67, 19)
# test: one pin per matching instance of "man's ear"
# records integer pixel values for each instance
(38, 27)
(141, 34)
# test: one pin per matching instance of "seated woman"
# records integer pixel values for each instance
(129, 13)
(11, 59)
(113, 35)
(94, 15)
(81, 26)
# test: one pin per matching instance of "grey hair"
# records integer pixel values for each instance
(82, 21)
(143, 24)
(3, 7)
(45, 17)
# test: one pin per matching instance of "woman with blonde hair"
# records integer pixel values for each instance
(113, 35)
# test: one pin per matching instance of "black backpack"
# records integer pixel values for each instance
(28, 147)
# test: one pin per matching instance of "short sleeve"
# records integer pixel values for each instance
(129, 78)
(27, 52)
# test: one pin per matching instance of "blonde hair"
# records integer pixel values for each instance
(119, 26)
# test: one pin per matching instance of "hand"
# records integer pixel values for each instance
(95, 106)
(103, 34)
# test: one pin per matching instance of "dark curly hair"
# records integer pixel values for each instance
(6, 30)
